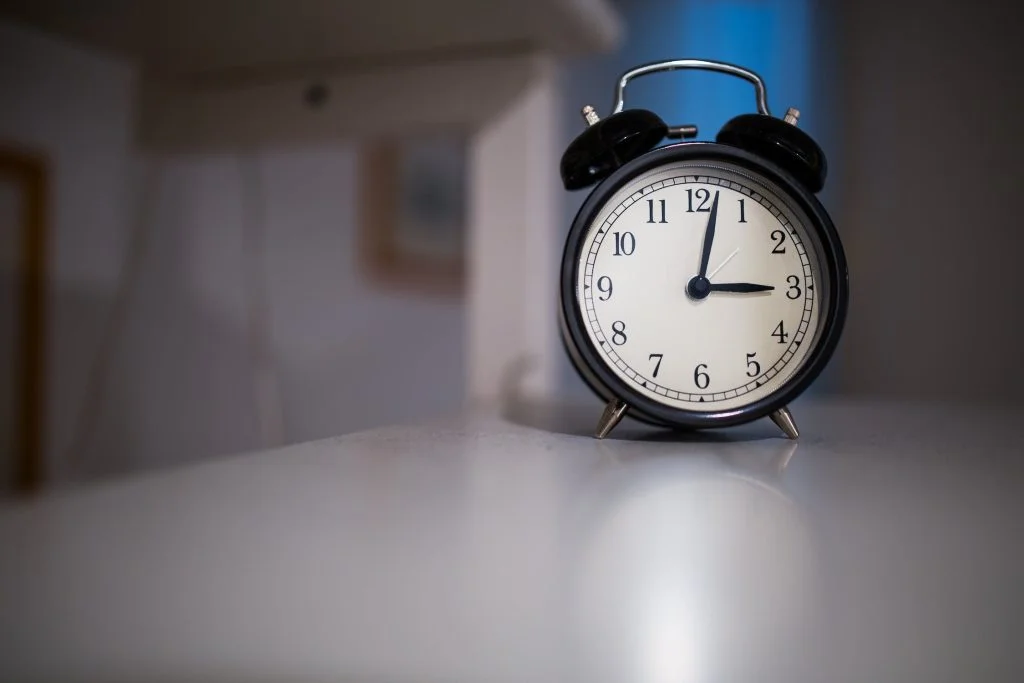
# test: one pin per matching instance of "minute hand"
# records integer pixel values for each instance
(709, 238)
(740, 287)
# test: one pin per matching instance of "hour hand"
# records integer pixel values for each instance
(740, 287)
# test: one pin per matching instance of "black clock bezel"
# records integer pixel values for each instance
(607, 385)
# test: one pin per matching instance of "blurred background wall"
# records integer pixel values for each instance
(931, 149)
(152, 357)
(205, 303)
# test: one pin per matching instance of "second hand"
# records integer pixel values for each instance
(727, 259)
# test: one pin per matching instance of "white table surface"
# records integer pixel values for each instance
(890, 548)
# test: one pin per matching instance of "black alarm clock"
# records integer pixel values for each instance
(702, 284)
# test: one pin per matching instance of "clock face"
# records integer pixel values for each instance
(699, 286)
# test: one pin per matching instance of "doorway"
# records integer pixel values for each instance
(23, 204)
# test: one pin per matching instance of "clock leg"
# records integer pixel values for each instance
(611, 416)
(783, 419)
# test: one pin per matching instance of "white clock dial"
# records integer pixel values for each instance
(709, 351)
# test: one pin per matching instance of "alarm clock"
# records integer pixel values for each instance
(702, 283)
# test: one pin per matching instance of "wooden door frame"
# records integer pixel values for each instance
(28, 170)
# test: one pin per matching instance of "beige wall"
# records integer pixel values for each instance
(180, 381)
(932, 136)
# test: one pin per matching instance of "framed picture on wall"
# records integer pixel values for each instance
(412, 221)
(23, 206)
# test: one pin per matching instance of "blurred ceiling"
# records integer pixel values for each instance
(174, 38)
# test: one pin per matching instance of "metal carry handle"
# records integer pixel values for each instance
(707, 65)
